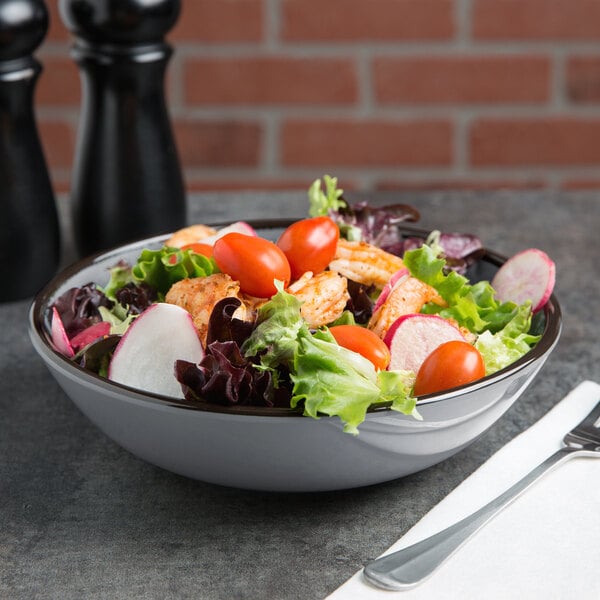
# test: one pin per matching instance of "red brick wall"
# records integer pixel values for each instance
(407, 94)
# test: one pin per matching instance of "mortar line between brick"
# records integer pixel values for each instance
(412, 172)
(335, 50)
(270, 151)
(368, 179)
(461, 153)
(357, 112)
(271, 24)
(364, 75)
(558, 84)
(462, 17)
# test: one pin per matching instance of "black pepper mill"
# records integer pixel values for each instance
(127, 181)
(29, 230)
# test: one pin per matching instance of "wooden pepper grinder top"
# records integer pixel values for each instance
(127, 180)
(29, 230)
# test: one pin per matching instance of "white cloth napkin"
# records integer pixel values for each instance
(545, 545)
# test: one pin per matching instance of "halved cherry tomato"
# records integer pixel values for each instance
(364, 341)
(253, 261)
(451, 364)
(199, 248)
(309, 244)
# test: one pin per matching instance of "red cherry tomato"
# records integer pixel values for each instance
(451, 364)
(309, 244)
(253, 261)
(199, 248)
(364, 341)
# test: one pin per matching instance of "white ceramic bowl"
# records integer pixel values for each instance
(277, 449)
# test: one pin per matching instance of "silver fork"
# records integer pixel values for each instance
(409, 566)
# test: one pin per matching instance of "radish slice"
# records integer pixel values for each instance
(395, 280)
(59, 336)
(238, 227)
(528, 275)
(145, 357)
(90, 334)
(411, 338)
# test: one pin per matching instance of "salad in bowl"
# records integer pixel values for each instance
(340, 315)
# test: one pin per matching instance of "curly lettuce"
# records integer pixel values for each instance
(321, 203)
(473, 306)
(223, 376)
(504, 347)
(79, 308)
(160, 269)
(327, 378)
(503, 328)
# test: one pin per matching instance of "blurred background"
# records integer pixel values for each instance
(385, 94)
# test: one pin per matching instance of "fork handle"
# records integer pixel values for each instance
(409, 566)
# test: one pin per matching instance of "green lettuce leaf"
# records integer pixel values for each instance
(329, 381)
(275, 336)
(162, 268)
(327, 378)
(502, 327)
(396, 387)
(117, 317)
(321, 202)
(473, 306)
(346, 318)
(120, 276)
(504, 347)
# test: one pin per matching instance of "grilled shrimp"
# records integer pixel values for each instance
(200, 294)
(189, 235)
(406, 298)
(365, 263)
(324, 297)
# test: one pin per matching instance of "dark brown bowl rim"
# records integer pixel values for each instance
(551, 333)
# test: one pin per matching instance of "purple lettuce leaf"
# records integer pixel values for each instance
(136, 297)
(224, 375)
(78, 308)
(360, 303)
(227, 378)
(460, 250)
(378, 225)
(459, 245)
(223, 326)
(96, 356)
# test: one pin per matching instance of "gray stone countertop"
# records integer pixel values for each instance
(82, 518)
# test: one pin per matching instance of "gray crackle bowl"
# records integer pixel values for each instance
(277, 449)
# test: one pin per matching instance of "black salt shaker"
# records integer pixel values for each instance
(127, 180)
(29, 228)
